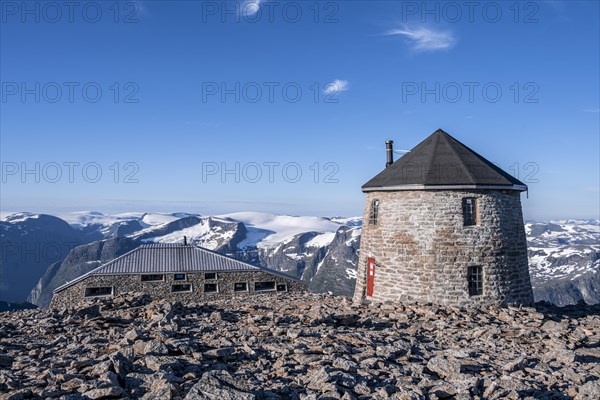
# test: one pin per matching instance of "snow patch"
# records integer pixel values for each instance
(20, 217)
(321, 240)
(294, 256)
(281, 227)
(348, 221)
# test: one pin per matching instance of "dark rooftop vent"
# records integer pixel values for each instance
(389, 152)
(185, 241)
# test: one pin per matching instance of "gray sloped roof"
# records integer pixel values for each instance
(442, 162)
(164, 258)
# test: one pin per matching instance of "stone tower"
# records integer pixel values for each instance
(444, 225)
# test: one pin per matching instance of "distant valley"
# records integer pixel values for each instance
(41, 252)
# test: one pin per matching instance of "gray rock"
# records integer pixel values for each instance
(153, 347)
(345, 364)
(18, 395)
(222, 352)
(589, 390)
(217, 385)
(561, 355)
(88, 312)
(121, 364)
(160, 390)
(444, 367)
(133, 335)
(516, 364)
(107, 387)
(101, 368)
(240, 348)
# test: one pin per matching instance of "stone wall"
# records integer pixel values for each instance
(73, 296)
(422, 248)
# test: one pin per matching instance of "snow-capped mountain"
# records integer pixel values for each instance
(304, 246)
(564, 260)
(564, 255)
(98, 226)
(268, 230)
(29, 243)
(79, 261)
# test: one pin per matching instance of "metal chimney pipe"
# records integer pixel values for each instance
(389, 152)
(185, 240)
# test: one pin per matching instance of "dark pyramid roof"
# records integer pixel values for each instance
(442, 162)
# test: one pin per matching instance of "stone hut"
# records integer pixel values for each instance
(175, 272)
(443, 225)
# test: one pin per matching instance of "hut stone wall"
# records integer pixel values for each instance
(74, 296)
(423, 250)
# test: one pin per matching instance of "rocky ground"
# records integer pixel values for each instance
(302, 346)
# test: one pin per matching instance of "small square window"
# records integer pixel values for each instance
(240, 287)
(209, 276)
(181, 287)
(179, 277)
(469, 206)
(282, 287)
(211, 288)
(152, 277)
(475, 278)
(264, 286)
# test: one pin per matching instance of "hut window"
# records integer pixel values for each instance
(209, 276)
(98, 291)
(240, 287)
(282, 287)
(179, 277)
(475, 278)
(469, 207)
(374, 212)
(264, 286)
(181, 287)
(152, 277)
(211, 288)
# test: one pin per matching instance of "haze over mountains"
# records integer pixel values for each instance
(41, 252)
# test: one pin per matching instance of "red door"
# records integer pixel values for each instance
(370, 276)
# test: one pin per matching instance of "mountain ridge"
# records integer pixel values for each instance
(323, 251)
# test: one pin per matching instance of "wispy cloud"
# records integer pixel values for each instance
(592, 110)
(140, 8)
(425, 39)
(337, 86)
(250, 7)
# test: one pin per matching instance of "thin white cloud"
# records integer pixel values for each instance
(592, 110)
(336, 86)
(425, 39)
(250, 7)
(138, 11)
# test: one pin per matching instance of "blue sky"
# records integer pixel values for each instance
(171, 93)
